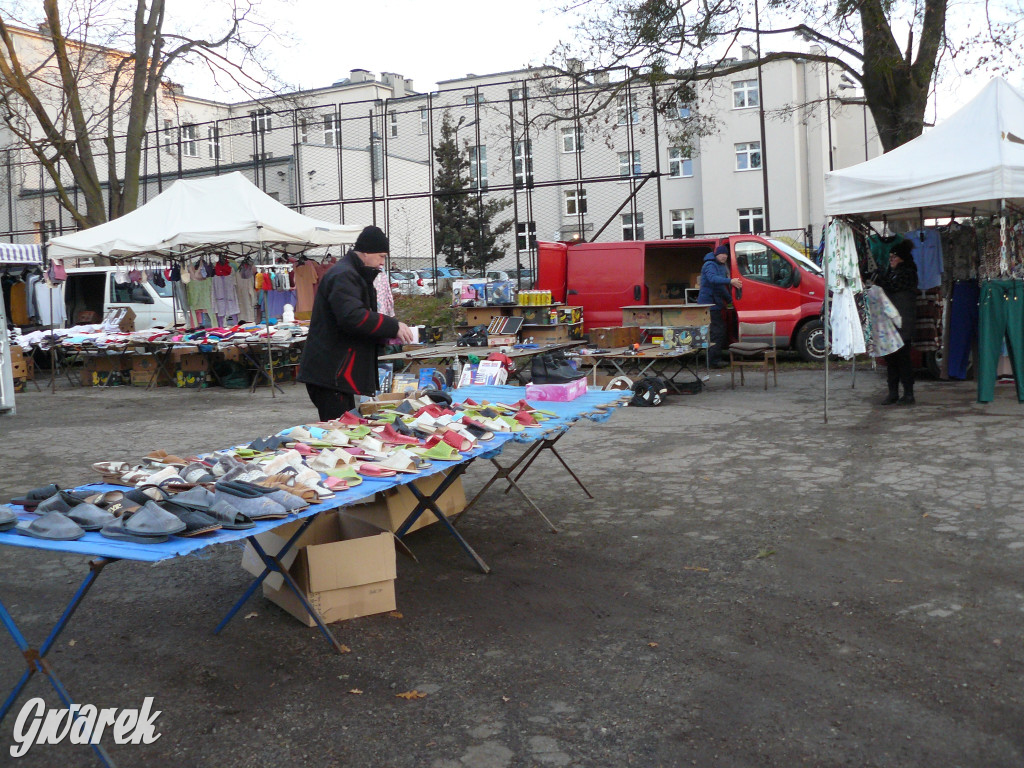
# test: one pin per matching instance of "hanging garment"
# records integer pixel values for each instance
(841, 252)
(306, 279)
(963, 326)
(928, 325)
(276, 301)
(30, 295)
(200, 298)
(865, 323)
(50, 304)
(885, 322)
(18, 312)
(847, 335)
(880, 248)
(1000, 316)
(245, 291)
(928, 257)
(224, 296)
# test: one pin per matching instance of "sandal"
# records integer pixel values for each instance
(348, 473)
(375, 470)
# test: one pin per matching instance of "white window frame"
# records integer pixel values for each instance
(213, 142)
(477, 175)
(676, 111)
(189, 140)
(680, 166)
(746, 152)
(683, 222)
(751, 220)
(424, 121)
(332, 130)
(261, 120)
(622, 110)
(474, 98)
(575, 202)
(394, 123)
(169, 139)
(632, 226)
(303, 130)
(522, 164)
(745, 94)
(572, 139)
(526, 236)
(629, 169)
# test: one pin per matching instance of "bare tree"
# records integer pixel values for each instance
(77, 88)
(684, 42)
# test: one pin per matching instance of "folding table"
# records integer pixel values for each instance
(450, 352)
(649, 360)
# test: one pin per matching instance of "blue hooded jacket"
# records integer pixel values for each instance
(714, 283)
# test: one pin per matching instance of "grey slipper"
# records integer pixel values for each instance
(151, 520)
(55, 503)
(8, 518)
(197, 473)
(90, 517)
(116, 530)
(253, 508)
(53, 526)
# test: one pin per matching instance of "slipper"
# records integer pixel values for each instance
(259, 508)
(401, 461)
(265, 444)
(288, 496)
(112, 469)
(331, 458)
(302, 449)
(196, 522)
(117, 531)
(478, 430)
(457, 441)
(526, 418)
(371, 444)
(53, 526)
(280, 461)
(336, 484)
(164, 458)
(355, 433)
(405, 407)
(197, 473)
(201, 499)
(90, 517)
(391, 435)
(296, 434)
(8, 518)
(31, 499)
(439, 452)
(335, 437)
(375, 470)
(151, 520)
(349, 474)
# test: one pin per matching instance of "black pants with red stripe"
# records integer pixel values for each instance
(330, 403)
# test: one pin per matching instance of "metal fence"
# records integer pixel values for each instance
(566, 159)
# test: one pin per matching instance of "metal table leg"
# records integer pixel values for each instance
(505, 473)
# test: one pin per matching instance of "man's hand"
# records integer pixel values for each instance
(736, 282)
(405, 333)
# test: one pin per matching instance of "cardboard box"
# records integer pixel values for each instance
(557, 393)
(502, 340)
(106, 370)
(610, 338)
(193, 379)
(123, 316)
(145, 378)
(388, 509)
(232, 353)
(193, 361)
(344, 566)
(19, 385)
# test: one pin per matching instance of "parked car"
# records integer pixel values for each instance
(524, 278)
(440, 279)
(406, 283)
(490, 275)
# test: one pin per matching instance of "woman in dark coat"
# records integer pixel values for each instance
(340, 357)
(900, 285)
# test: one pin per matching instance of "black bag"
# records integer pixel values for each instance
(474, 337)
(649, 392)
(552, 368)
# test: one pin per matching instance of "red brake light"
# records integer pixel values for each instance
(419, 281)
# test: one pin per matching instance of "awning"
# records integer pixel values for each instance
(12, 253)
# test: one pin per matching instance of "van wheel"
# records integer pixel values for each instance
(810, 341)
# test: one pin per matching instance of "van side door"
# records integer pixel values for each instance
(770, 290)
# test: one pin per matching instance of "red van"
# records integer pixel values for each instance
(779, 282)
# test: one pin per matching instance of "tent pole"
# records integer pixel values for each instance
(270, 353)
(827, 326)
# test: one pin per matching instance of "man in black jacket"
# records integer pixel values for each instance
(345, 331)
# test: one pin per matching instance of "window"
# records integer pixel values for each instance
(678, 164)
(332, 130)
(46, 228)
(682, 222)
(303, 130)
(751, 220)
(169, 137)
(575, 202)
(189, 141)
(259, 120)
(522, 164)
(674, 110)
(759, 262)
(748, 156)
(424, 121)
(518, 93)
(478, 167)
(213, 142)
(474, 98)
(632, 226)
(394, 123)
(626, 110)
(745, 94)
(526, 236)
(572, 139)
(629, 164)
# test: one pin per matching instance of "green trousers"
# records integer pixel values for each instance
(1000, 314)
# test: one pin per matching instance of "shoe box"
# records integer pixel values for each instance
(344, 566)
(192, 368)
(106, 370)
(557, 393)
(388, 509)
(22, 368)
(610, 338)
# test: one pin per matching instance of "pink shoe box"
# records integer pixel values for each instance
(557, 393)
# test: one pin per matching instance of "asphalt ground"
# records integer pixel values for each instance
(749, 587)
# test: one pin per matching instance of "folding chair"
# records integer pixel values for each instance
(748, 353)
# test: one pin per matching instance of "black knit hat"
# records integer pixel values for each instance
(372, 240)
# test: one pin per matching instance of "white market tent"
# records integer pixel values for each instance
(966, 164)
(226, 212)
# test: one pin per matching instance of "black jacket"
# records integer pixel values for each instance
(900, 285)
(345, 330)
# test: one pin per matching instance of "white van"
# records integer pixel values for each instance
(94, 289)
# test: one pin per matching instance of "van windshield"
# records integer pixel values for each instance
(793, 253)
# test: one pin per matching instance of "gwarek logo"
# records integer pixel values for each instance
(82, 724)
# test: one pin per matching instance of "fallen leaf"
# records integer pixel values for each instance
(925, 515)
(765, 553)
(356, 691)
(895, 581)
(700, 568)
(344, 649)
(72, 643)
(252, 615)
(413, 694)
(653, 645)
(505, 698)
(396, 615)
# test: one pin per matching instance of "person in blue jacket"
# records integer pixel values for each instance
(716, 288)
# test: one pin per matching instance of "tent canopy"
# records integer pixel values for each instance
(227, 212)
(11, 253)
(967, 163)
